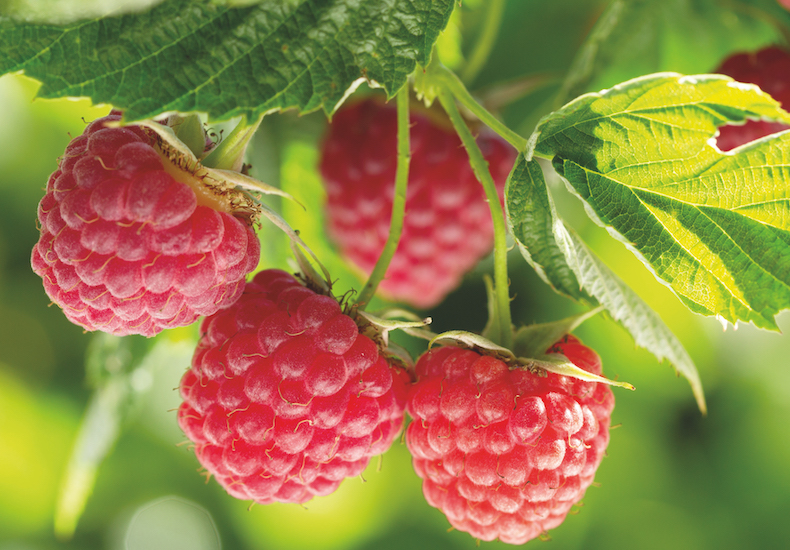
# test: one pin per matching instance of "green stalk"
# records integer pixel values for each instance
(229, 154)
(485, 43)
(451, 82)
(398, 202)
(480, 168)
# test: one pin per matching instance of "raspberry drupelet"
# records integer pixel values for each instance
(285, 398)
(505, 453)
(133, 242)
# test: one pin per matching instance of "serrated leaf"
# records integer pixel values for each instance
(628, 309)
(714, 226)
(531, 218)
(572, 269)
(226, 61)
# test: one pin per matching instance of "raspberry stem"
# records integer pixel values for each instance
(480, 168)
(485, 42)
(398, 202)
(450, 81)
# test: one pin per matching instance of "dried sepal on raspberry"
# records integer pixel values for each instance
(137, 236)
(287, 396)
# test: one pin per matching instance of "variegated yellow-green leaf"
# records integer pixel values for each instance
(562, 259)
(714, 226)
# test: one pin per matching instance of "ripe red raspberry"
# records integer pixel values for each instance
(769, 68)
(285, 397)
(506, 453)
(448, 226)
(131, 242)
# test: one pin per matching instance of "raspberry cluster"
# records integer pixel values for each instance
(131, 243)
(503, 452)
(289, 393)
(769, 68)
(285, 398)
(447, 228)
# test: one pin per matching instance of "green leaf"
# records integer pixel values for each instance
(531, 217)
(564, 261)
(226, 61)
(714, 226)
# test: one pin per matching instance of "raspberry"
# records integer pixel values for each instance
(769, 68)
(132, 243)
(506, 453)
(285, 398)
(448, 226)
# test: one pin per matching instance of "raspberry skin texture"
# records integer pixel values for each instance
(447, 228)
(506, 453)
(769, 69)
(126, 246)
(285, 398)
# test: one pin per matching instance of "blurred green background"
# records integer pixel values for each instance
(672, 478)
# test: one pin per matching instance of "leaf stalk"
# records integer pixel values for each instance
(453, 84)
(480, 168)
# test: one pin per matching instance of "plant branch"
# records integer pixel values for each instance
(398, 202)
(485, 43)
(480, 168)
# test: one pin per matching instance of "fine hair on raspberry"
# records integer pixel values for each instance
(131, 243)
(504, 452)
(285, 398)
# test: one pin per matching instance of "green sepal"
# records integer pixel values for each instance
(534, 340)
(385, 325)
(559, 364)
(189, 129)
(229, 153)
(476, 341)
